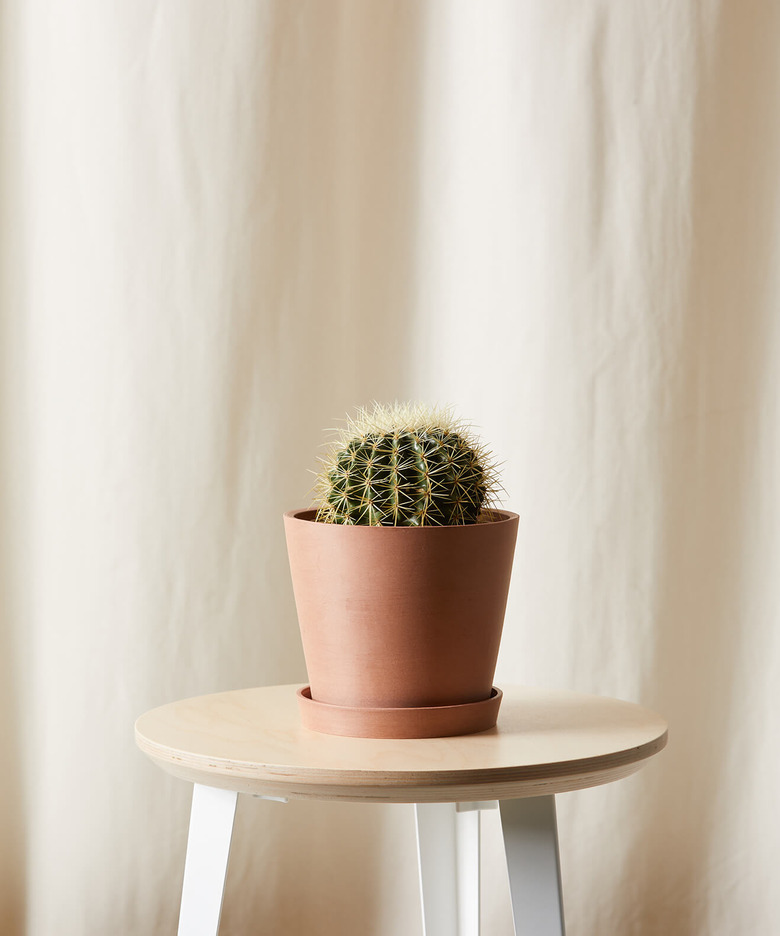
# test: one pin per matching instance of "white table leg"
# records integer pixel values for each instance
(467, 857)
(448, 852)
(531, 842)
(205, 868)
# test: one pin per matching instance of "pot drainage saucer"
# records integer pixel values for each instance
(433, 721)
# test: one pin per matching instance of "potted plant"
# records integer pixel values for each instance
(401, 573)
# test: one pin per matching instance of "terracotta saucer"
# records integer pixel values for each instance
(436, 721)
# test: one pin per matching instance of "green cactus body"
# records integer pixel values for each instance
(396, 473)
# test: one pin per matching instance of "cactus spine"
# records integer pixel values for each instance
(405, 465)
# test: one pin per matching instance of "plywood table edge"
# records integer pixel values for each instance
(401, 786)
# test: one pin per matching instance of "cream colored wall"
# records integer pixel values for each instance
(225, 225)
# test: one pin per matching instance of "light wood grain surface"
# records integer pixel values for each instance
(251, 740)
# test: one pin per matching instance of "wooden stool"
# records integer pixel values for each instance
(546, 742)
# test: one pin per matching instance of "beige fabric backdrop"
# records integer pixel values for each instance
(225, 224)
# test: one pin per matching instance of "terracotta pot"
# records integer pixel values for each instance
(400, 617)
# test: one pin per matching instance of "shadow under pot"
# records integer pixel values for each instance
(400, 626)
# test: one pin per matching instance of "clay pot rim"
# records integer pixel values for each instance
(307, 514)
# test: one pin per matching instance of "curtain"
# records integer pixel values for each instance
(225, 225)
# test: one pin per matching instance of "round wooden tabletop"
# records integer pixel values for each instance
(252, 741)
